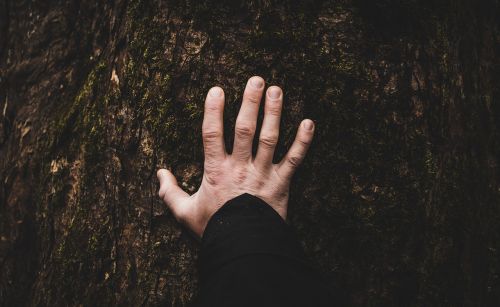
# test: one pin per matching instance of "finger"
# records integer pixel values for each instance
(270, 127)
(298, 151)
(213, 127)
(247, 119)
(170, 192)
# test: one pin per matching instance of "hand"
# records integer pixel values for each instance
(227, 176)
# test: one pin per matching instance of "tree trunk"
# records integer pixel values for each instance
(398, 200)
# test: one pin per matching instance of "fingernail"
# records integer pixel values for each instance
(274, 92)
(256, 82)
(215, 92)
(309, 125)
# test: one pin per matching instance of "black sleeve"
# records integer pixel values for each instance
(250, 257)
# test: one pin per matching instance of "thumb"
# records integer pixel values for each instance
(170, 191)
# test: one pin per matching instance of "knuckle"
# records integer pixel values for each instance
(244, 130)
(161, 192)
(209, 134)
(259, 184)
(303, 142)
(240, 176)
(212, 106)
(294, 161)
(274, 111)
(268, 141)
(251, 98)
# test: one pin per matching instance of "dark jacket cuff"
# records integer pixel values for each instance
(243, 226)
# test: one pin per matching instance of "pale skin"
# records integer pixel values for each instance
(226, 175)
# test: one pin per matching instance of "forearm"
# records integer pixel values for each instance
(251, 257)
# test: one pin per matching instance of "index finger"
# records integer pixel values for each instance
(213, 127)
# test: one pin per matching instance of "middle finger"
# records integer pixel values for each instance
(247, 119)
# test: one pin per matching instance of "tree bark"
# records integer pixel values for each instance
(398, 200)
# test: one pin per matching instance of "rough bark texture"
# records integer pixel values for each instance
(397, 203)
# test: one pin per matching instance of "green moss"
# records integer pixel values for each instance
(68, 121)
(430, 162)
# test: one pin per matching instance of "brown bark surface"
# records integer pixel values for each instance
(398, 200)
